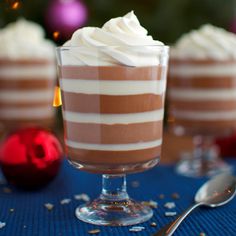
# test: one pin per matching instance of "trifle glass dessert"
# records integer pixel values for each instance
(27, 76)
(202, 95)
(113, 82)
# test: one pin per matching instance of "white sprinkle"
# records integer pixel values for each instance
(94, 231)
(49, 206)
(153, 224)
(65, 201)
(150, 203)
(169, 205)
(135, 184)
(2, 224)
(170, 213)
(136, 228)
(153, 204)
(82, 196)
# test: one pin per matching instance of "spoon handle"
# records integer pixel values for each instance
(170, 228)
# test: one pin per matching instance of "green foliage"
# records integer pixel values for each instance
(165, 19)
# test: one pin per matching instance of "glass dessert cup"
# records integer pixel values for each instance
(202, 105)
(26, 95)
(113, 118)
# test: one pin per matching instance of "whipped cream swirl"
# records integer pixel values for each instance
(25, 40)
(121, 40)
(209, 42)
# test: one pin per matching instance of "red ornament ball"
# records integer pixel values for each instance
(30, 157)
(65, 16)
(227, 146)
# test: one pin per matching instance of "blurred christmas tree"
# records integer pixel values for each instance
(165, 19)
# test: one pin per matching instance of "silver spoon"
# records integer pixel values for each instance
(215, 192)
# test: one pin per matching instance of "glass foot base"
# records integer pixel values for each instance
(113, 213)
(192, 167)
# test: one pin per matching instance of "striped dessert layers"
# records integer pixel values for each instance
(202, 94)
(26, 92)
(113, 115)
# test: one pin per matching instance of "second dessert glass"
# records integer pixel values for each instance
(26, 95)
(202, 104)
(27, 77)
(113, 121)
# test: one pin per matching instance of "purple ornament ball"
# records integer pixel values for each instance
(65, 16)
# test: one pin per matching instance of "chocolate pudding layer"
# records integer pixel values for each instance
(202, 95)
(113, 116)
(26, 92)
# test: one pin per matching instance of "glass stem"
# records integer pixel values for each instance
(114, 188)
(204, 149)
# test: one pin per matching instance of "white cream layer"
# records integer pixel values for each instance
(111, 119)
(213, 71)
(206, 42)
(114, 147)
(204, 115)
(27, 113)
(28, 96)
(113, 87)
(94, 46)
(203, 94)
(27, 72)
(25, 39)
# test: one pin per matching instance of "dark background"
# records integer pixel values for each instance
(165, 20)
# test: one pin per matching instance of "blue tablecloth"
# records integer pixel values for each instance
(31, 218)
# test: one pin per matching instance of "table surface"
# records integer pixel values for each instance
(31, 218)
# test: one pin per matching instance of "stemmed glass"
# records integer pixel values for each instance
(113, 118)
(202, 105)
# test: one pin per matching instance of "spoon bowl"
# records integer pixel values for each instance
(217, 191)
